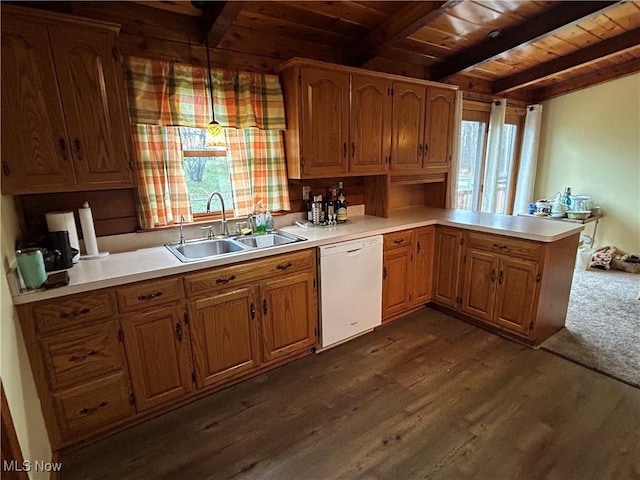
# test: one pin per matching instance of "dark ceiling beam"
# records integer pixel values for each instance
(564, 14)
(585, 81)
(587, 55)
(406, 21)
(218, 17)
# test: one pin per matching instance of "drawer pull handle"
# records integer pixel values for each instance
(284, 266)
(496, 246)
(501, 277)
(398, 241)
(80, 358)
(253, 311)
(150, 296)
(493, 276)
(84, 311)
(89, 411)
(222, 281)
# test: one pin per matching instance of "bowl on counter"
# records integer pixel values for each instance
(578, 214)
(580, 203)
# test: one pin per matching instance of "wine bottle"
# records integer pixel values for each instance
(341, 205)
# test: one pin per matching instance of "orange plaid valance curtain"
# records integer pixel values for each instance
(171, 93)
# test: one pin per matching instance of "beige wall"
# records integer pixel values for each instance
(14, 364)
(590, 141)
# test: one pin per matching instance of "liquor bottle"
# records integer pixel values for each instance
(330, 208)
(566, 197)
(341, 205)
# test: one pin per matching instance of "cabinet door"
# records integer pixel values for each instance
(423, 265)
(397, 281)
(440, 112)
(407, 126)
(91, 87)
(516, 294)
(158, 351)
(289, 315)
(35, 148)
(479, 284)
(225, 335)
(370, 124)
(446, 267)
(325, 117)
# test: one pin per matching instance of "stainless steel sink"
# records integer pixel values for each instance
(268, 239)
(207, 249)
(204, 249)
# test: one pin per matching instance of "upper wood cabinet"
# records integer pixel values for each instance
(423, 120)
(370, 134)
(66, 125)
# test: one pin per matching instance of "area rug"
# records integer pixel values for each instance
(602, 330)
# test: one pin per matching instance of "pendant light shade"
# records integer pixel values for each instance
(214, 129)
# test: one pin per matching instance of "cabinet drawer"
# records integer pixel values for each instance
(142, 295)
(73, 311)
(506, 245)
(81, 355)
(220, 278)
(86, 408)
(398, 239)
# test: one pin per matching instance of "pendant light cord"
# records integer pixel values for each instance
(213, 114)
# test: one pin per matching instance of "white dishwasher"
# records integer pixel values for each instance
(350, 289)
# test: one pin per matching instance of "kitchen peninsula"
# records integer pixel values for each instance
(97, 346)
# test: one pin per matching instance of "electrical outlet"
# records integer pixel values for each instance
(305, 192)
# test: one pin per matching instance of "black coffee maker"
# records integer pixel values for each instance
(63, 253)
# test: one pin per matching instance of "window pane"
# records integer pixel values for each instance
(505, 165)
(206, 175)
(196, 139)
(470, 168)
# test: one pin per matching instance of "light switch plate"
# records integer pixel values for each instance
(306, 190)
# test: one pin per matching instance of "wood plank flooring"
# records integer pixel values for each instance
(427, 396)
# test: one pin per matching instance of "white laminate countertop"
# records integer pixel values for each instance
(155, 262)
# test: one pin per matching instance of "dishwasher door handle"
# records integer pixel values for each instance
(354, 252)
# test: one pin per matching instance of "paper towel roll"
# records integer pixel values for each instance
(58, 221)
(88, 230)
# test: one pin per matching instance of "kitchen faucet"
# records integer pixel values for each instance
(225, 230)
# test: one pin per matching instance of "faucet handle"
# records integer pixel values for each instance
(209, 229)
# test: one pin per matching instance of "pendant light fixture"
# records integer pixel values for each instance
(214, 129)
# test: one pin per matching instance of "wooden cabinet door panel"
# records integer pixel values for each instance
(515, 295)
(35, 148)
(446, 266)
(289, 315)
(407, 126)
(397, 281)
(423, 265)
(224, 335)
(91, 87)
(157, 346)
(439, 118)
(325, 116)
(479, 284)
(370, 124)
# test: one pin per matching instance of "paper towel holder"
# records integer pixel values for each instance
(89, 234)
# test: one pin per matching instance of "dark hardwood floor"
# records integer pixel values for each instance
(428, 397)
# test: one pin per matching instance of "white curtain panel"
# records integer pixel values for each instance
(455, 153)
(494, 143)
(528, 159)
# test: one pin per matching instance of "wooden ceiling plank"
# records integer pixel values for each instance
(606, 48)
(585, 81)
(566, 13)
(218, 17)
(407, 20)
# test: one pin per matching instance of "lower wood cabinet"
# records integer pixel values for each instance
(407, 271)
(159, 356)
(102, 360)
(225, 335)
(513, 285)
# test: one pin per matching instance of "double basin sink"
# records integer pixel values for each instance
(207, 249)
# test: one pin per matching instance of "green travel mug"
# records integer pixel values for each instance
(31, 265)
